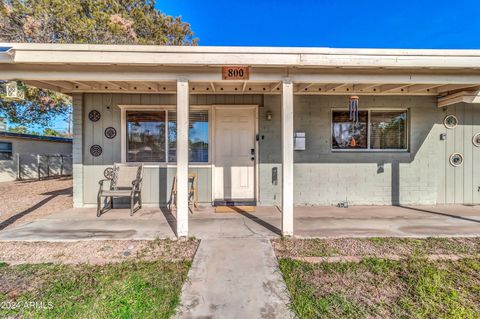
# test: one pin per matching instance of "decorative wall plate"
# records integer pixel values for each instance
(110, 132)
(450, 121)
(94, 115)
(456, 159)
(108, 172)
(96, 150)
(476, 140)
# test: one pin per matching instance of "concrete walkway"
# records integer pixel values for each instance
(235, 278)
(356, 221)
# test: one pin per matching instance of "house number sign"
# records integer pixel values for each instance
(235, 73)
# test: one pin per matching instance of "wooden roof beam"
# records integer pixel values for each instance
(422, 87)
(304, 87)
(393, 87)
(275, 86)
(364, 87)
(212, 85)
(44, 85)
(333, 87)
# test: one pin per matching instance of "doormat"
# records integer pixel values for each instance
(234, 209)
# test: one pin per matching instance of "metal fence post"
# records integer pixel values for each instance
(61, 165)
(38, 166)
(19, 167)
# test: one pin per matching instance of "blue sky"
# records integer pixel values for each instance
(341, 24)
(359, 24)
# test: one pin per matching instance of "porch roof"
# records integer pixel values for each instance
(70, 68)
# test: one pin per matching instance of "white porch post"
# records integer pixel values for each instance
(287, 157)
(182, 157)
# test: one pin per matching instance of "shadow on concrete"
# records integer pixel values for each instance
(51, 195)
(171, 219)
(258, 220)
(440, 214)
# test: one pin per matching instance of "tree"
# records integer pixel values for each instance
(19, 129)
(51, 132)
(81, 21)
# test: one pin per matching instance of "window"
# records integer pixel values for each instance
(5, 151)
(146, 136)
(388, 130)
(197, 136)
(152, 136)
(347, 134)
(375, 130)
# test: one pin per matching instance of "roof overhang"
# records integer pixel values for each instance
(70, 68)
(459, 97)
(80, 54)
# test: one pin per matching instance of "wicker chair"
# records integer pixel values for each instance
(125, 181)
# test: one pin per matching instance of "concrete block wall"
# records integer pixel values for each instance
(326, 177)
(421, 175)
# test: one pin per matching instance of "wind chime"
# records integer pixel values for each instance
(354, 117)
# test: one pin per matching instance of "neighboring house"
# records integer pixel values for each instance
(21, 154)
(269, 126)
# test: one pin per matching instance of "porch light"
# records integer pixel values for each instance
(12, 90)
(269, 115)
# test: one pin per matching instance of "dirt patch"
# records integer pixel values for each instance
(96, 252)
(25, 201)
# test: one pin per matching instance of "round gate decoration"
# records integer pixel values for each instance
(94, 115)
(450, 121)
(476, 140)
(108, 172)
(96, 150)
(456, 159)
(110, 132)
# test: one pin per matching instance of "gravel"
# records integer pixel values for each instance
(25, 201)
(96, 252)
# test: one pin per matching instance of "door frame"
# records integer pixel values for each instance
(254, 107)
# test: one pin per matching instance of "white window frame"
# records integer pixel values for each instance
(167, 108)
(369, 129)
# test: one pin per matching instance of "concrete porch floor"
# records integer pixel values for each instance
(315, 221)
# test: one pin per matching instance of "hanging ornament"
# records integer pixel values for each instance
(353, 108)
(353, 142)
(12, 90)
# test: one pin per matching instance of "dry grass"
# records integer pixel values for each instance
(377, 287)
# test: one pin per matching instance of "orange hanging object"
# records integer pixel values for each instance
(353, 143)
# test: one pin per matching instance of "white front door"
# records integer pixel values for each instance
(235, 153)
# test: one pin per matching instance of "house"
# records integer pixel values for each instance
(268, 126)
(27, 156)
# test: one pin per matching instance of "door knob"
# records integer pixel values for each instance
(252, 158)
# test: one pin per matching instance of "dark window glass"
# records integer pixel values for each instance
(347, 134)
(197, 136)
(146, 136)
(5, 151)
(388, 130)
